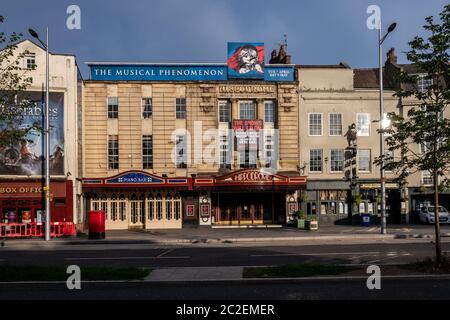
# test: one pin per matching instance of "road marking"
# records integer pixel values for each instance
(314, 254)
(164, 253)
(127, 258)
(389, 257)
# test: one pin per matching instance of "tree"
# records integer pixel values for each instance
(421, 140)
(13, 83)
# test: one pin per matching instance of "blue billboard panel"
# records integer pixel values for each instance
(279, 73)
(217, 72)
(159, 72)
(245, 60)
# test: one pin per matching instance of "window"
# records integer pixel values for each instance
(224, 154)
(315, 160)
(180, 104)
(181, 150)
(427, 179)
(247, 111)
(224, 111)
(423, 83)
(30, 61)
(335, 124)
(363, 124)
(269, 111)
(388, 160)
(113, 152)
(269, 152)
(315, 124)
(147, 108)
(364, 160)
(113, 107)
(147, 152)
(337, 160)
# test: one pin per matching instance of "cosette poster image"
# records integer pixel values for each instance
(245, 60)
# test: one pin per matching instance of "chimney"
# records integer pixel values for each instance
(288, 59)
(391, 57)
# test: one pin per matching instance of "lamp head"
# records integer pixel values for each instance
(392, 27)
(33, 33)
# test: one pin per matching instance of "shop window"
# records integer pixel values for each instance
(113, 107)
(147, 108)
(180, 104)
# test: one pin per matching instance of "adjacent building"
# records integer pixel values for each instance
(21, 165)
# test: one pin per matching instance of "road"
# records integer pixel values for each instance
(144, 255)
(302, 290)
(223, 255)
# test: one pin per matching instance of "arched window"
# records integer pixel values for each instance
(177, 206)
(122, 208)
(150, 207)
(95, 203)
(169, 206)
(114, 208)
(159, 207)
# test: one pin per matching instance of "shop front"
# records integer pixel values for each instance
(136, 199)
(23, 202)
(251, 197)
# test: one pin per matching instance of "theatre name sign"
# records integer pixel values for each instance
(178, 72)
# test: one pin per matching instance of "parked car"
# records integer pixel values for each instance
(426, 214)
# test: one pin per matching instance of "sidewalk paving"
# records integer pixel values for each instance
(206, 234)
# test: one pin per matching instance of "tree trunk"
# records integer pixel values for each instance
(436, 217)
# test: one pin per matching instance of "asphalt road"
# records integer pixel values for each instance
(298, 290)
(192, 256)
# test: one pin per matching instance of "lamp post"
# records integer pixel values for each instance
(47, 134)
(382, 182)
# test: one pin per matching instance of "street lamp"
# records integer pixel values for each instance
(47, 135)
(382, 182)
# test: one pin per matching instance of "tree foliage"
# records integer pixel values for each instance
(420, 140)
(14, 81)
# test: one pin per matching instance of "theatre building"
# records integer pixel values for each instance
(169, 145)
(21, 165)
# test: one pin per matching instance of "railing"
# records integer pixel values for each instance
(34, 229)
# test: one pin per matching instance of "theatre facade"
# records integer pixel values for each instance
(169, 145)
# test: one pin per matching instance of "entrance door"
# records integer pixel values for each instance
(163, 211)
(136, 211)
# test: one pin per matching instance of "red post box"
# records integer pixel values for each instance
(96, 224)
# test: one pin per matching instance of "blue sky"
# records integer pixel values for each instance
(318, 31)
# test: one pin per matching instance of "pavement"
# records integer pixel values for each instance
(206, 234)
